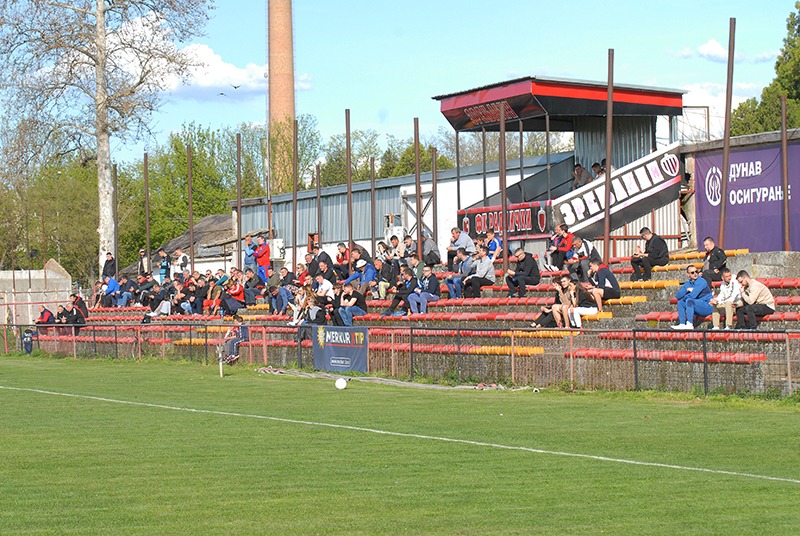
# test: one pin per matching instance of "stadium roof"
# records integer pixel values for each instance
(531, 99)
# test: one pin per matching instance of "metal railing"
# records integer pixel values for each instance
(703, 362)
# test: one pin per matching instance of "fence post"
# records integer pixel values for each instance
(411, 352)
(458, 358)
(264, 344)
(391, 355)
(191, 345)
(705, 364)
(205, 345)
(635, 364)
(299, 348)
(139, 341)
(74, 344)
(571, 362)
(116, 343)
(94, 339)
(513, 360)
(788, 365)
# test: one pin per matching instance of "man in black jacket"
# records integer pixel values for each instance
(714, 261)
(404, 288)
(656, 253)
(110, 266)
(526, 272)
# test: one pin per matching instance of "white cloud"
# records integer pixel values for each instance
(215, 76)
(713, 50)
(712, 95)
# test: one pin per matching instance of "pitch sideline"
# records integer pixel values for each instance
(407, 435)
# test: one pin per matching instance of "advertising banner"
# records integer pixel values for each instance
(636, 189)
(339, 349)
(754, 204)
(524, 221)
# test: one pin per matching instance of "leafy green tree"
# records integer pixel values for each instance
(364, 145)
(406, 164)
(764, 114)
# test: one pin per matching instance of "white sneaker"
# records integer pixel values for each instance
(715, 328)
(683, 326)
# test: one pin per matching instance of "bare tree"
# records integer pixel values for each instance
(95, 68)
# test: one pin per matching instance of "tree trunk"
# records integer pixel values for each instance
(105, 188)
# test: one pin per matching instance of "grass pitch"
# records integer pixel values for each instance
(76, 465)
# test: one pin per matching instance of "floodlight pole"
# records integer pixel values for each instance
(609, 143)
(726, 143)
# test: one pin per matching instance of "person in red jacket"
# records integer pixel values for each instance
(262, 255)
(562, 244)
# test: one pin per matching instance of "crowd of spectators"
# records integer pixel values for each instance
(323, 288)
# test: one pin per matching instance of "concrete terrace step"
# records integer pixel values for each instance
(677, 356)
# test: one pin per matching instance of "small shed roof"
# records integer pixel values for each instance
(532, 98)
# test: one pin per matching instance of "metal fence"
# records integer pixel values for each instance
(697, 361)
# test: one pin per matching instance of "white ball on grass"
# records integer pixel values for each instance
(340, 383)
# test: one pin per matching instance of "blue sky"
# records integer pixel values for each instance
(385, 60)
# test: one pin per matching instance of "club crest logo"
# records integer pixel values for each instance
(713, 186)
(541, 217)
(671, 165)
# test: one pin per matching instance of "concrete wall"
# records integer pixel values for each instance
(22, 291)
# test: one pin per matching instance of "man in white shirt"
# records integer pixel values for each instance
(730, 292)
(482, 277)
(324, 290)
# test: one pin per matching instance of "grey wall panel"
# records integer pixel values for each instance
(634, 137)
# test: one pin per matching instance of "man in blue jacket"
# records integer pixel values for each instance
(693, 298)
(364, 273)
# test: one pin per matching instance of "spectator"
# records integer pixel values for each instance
(358, 252)
(365, 273)
(560, 247)
(262, 254)
(112, 291)
(342, 266)
(729, 294)
(483, 275)
(75, 318)
(404, 288)
(161, 304)
(324, 291)
(427, 291)
(253, 285)
(386, 276)
(143, 266)
(526, 272)
(383, 251)
(236, 334)
(580, 302)
(353, 304)
(280, 298)
(715, 260)
(494, 244)
(110, 266)
(180, 259)
(300, 274)
(409, 247)
(79, 304)
(596, 169)
(415, 264)
(235, 297)
(655, 253)
(61, 315)
(126, 291)
(287, 278)
(321, 256)
(397, 252)
(757, 301)
(45, 316)
(273, 278)
(249, 254)
(326, 271)
(582, 253)
(213, 298)
(693, 299)
(604, 285)
(581, 177)
(465, 268)
(458, 240)
(546, 318)
(312, 265)
(163, 265)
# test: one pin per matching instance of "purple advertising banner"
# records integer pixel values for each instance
(754, 211)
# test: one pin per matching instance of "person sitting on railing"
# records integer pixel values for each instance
(236, 334)
(427, 291)
(693, 299)
(483, 276)
(656, 253)
(604, 285)
(526, 272)
(757, 301)
(465, 267)
(714, 261)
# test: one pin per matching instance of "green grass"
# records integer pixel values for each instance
(83, 466)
